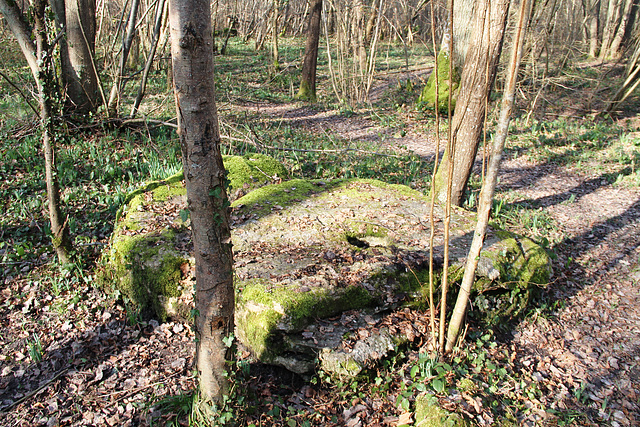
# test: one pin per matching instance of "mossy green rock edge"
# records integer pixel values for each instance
(429, 413)
(149, 268)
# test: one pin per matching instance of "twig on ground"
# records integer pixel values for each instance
(34, 392)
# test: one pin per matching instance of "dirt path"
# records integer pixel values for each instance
(583, 346)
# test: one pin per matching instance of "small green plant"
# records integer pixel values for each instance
(35, 348)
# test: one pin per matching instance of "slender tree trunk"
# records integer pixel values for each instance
(59, 229)
(475, 88)
(359, 50)
(592, 14)
(152, 54)
(39, 60)
(275, 50)
(489, 185)
(191, 50)
(307, 90)
(127, 41)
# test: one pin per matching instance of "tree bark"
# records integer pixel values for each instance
(191, 51)
(476, 81)
(77, 18)
(275, 50)
(307, 90)
(619, 40)
(610, 26)
(371, 21)
(488, 188)
(592, 12)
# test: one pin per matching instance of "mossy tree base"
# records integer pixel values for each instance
(308, 250)
(428, 97)
(306, 92)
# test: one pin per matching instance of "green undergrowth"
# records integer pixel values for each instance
(592, 146)
(312, 155)
(95, 170)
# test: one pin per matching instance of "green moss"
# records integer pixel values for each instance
(427, 98)
(524, 266)
(252, 170)
(285, 308)
(163, 193)
(135, 199)
(521, 261)
(306, 93)
(467, 385)
(243, 172)
(430, 414)
(261, 201)
(146, 267)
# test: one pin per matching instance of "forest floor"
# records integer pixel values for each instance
(573, 360)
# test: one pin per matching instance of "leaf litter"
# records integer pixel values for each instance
(100, 365)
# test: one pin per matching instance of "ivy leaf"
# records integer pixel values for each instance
(228, 341)
(216, 192)
(184, 215)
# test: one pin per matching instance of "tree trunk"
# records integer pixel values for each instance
(359, 50)
(610, 26)
(191, 51)
(79, 77)
(619, 40)
(275, 51)
(592, 12)
(371, 21)
(39, 61)
(488, 188)
(307, 90)
(463, 10)
(477, 79)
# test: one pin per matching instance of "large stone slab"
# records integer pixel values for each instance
(308, 253)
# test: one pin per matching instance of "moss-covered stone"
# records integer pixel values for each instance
(428, 99)
(252, 171)
(430, 414)
(523, 267)
(147, 267)
(149, 257)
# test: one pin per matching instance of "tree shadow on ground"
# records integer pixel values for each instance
(603, 255)
(96, 365)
